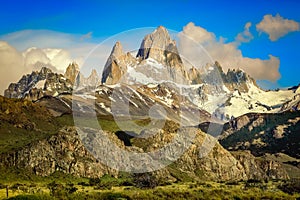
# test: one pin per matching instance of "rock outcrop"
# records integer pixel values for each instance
(65, 152)
(62, 152)
(264, 133)
(260, 168)
(93, 79)
(72, 72)
(213, 74)
(218, 164)
(78, 79)
(116, 65)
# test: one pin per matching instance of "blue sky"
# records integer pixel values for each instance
(106, 18)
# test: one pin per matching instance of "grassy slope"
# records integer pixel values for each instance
(22, 122)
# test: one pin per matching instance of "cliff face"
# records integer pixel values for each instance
(218, 164)
(260, 168)
(65, 152)
(116, 65)
(61, 152)
(160, 47)
(156, 47)
(72, 72)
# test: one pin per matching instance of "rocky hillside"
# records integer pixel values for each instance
(43, 83)
(65, 152)
(266, 134)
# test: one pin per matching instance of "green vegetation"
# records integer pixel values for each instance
(189, 190)
(22, 122)
(24, 185)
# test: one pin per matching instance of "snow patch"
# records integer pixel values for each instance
(86, 96)
(40, 84)
(138, 76)
(104, 107)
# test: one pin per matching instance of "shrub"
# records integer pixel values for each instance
(31, 197)
(111, 196)
(232, 183)
(290, 187)
(60, 191)
(94, 181)
(83, 183)
(146, 180)
(2, 186)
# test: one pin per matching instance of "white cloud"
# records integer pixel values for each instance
(11, 65)
(59, 59)
(43, 39)
(14, 64)
(276, 27)
(227, 54)
(246, 35)
(56, 45)
(198, 33)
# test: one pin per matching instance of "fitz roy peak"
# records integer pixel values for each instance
(157, 53)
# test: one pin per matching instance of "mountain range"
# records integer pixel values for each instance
(152, 93)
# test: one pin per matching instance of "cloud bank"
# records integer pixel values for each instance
(24, 51)
(14, 63)
(10, 62)
(276, 27)
(227, 54)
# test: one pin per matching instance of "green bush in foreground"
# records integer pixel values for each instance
(31, 197)
(189, 190)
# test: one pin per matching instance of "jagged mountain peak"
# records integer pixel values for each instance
(154, 44)
(116, 65)
(94, 73)
(93, 78)
(72, 72)
(117, 50)
(45, 70)
(38, 84)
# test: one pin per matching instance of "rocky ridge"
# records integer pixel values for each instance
(65, 152)
(38, 84)
(45, 82)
